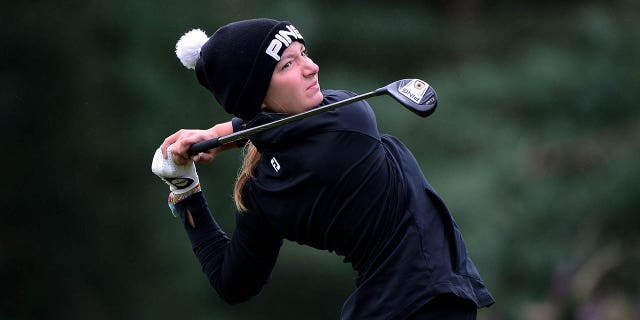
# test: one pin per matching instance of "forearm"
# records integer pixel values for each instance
(223, 129)
(208, 241)
(236, 274)
(227, 128)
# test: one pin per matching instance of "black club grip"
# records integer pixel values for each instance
(203, 146)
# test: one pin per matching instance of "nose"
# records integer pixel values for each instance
(310, 68)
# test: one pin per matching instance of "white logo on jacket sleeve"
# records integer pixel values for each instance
(275, 164)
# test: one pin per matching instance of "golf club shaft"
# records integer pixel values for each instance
(223, 140)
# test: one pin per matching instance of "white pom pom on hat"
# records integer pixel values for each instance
(188, 47)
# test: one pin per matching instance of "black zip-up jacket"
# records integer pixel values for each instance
(333, 182)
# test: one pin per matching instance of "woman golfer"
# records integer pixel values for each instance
(330, 181)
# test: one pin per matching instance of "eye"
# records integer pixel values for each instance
(286, 65)
(304, 53)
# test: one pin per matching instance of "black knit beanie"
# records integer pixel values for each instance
(237, 61)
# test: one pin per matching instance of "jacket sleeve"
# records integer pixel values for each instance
(238, 125)
(239, 267)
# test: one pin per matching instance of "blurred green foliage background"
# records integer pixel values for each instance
(534, 146)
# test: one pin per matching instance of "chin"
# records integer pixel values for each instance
(317, 98)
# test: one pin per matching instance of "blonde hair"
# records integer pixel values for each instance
(251, 158)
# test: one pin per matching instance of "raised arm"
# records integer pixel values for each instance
(237, 268)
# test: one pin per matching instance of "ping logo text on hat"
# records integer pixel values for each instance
(282, 38)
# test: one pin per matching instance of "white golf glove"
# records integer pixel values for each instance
(180, 178)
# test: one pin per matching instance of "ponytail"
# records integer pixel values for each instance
(251, 158)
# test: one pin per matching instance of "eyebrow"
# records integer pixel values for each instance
(293, 55)
(289, 56)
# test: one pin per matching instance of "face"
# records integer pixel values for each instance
(294, 86)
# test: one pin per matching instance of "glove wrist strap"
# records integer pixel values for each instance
(175, 198)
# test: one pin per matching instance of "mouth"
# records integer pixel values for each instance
(314, 86)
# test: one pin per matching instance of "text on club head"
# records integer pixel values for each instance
(414, 90)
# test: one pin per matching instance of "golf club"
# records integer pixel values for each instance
(414, 94)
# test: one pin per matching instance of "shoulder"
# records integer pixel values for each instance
(356, 116)
(356, 108)
(333, 95)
